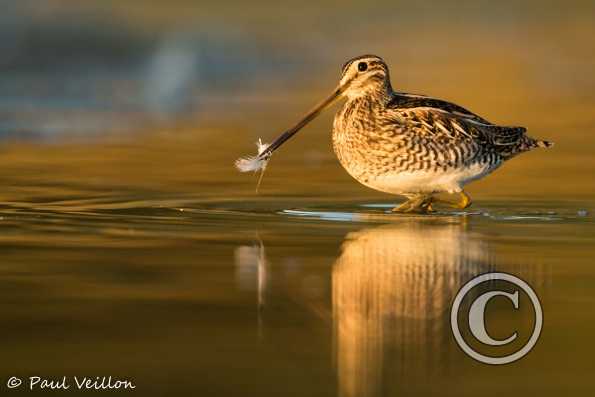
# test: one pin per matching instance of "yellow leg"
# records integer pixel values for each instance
(463, 201)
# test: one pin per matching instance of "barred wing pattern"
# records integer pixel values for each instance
(462, 137)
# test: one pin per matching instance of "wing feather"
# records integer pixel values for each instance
(450, 124)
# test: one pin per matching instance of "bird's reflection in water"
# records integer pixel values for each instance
(392, 287)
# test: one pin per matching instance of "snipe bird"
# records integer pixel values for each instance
(406, 144)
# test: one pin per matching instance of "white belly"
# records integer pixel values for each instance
(427, 181)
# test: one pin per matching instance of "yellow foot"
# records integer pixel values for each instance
(463, 201)
(416, 205)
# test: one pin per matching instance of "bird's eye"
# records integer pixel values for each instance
(362, 66)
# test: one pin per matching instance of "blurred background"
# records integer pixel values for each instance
(130, 246)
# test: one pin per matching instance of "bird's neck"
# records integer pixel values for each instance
(385, 93)
(365, 106)
(380, 94)
(378, 97)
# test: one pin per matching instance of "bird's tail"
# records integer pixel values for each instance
(524, 144)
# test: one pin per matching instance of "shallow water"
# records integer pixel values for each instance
(130, 247)
(293, 296)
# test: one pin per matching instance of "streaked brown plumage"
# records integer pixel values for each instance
(407, 144)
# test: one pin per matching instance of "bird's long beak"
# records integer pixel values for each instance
(311, 115)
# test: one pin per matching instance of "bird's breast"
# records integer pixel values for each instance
(364, 148)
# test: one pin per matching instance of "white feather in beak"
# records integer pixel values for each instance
(254, 163)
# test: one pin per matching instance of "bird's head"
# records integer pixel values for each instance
(364, 75)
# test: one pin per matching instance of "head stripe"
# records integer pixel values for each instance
(352, 60)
